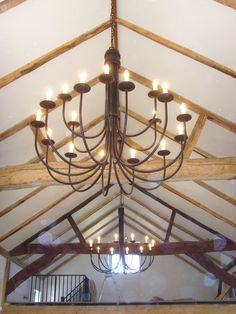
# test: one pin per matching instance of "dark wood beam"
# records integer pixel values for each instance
(29, 270)
(168, 233)
(76, 229)
(211, 267)
(167, 248)
(60, 219)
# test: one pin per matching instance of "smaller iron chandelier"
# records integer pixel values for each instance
(106, 150)
(125, 255)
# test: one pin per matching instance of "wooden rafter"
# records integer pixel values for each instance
(171, 222)
(31, 66)
(228, 3)
(15, 260)
(26, 122)
(28, 175)
(9, 4)
(176, 47)
(228, 125)
(76, 229)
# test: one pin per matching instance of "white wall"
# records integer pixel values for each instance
(168, 278)
(2, 271)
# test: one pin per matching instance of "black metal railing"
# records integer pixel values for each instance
(59, 288)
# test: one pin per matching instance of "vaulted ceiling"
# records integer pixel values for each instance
(191, 45)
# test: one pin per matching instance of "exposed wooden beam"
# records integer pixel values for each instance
(166, 248)
(34, 217)
(29, 270)
(136, 116)
(217, 192)
(20, 201)
(4, 282)
(60, 219)
(76, 229)
(229, 125)
(176, 47)
(26, 122)
(28, 175)
(31, 66)
(228, 3)
(15, 260)
(194, 136)
(200, 205)
(168, 232)
(207, 263)
(9, 4)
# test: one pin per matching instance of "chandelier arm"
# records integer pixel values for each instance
(82, 132)
(120, 184)
(151, 260)
(95, 266)
(91, 148)
(150, 123)
(64, 117)
(105, 190)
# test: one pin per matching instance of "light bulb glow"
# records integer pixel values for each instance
(49, 94)
(82, 77)
(146, 238)
(65, 88)
(132, 236)
(152, 242)
(106, 69)
(71, 147)
(127, 250)
(180, 128)
(49, 132)
(149, 246)
(154, 85)
(102, 153)
(126, 75)
(112, 250)
(39, 115)
(116, 237)
(164, 87)
(141, 249)
(132, 153)
(91, 243)
(163, 144)
(73, 116)
(98, 249)
(183, 108)
(99, 239)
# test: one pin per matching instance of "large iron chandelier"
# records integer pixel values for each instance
(107, 160)
(126, 255)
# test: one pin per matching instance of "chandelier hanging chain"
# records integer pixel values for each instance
(112, 21)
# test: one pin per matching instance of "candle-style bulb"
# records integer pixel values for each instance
(149, 246)
(126, 75)
(112, 250)
(116, 237)
(164, 88)
(39, 115)
(141, 249)
(132, 236)
(99, 239)
(152, 242)
(146, 238)
(102, 153)
(163, 144)
(183, 108)
(65, 88)
(132, 153)
(106, 69)
(73, 116)
(98, 249)
(180, 128)
(49, 132)
(49, 94)
(82, 77)
(127, 250)
(91, 243)
(154, 85)
(71, 147)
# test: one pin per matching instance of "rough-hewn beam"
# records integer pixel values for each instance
(15, 260)
(28, 175)
(210, 266)
(228, 3)
(29, 270)
(31, 66)
(76, 229)
(25, 122)
(176, 47)
(168, 232)
(229, 125)
(167, 248)
(9, 4)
